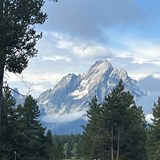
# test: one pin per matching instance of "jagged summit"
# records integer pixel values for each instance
(74, 91)
(100, 67)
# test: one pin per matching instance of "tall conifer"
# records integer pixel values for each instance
(153, 142)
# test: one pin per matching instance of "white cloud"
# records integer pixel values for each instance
(63, 41)
(141, 59)
(138, 76)
(141, 51)
(144, 51)
(67, 117)
(57, 58)
(36, 78)
(91, 51)
(74, 46)
(36, 82)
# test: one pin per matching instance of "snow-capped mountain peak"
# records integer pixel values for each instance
(100, 67)
(73, 93)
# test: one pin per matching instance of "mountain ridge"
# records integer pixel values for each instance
(73, 92)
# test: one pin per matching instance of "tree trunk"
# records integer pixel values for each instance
(2, 62)
(1, 90)
(118, 142)
(112, 149)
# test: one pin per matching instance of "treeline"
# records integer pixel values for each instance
(67, 146)
(116, 130)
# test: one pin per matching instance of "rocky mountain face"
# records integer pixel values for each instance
(73, 92)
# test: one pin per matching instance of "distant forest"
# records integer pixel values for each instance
(116, 130)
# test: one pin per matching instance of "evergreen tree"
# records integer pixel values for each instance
(134, 144)
(91, 137)
(32, 136)
(49, 145)
(79, 142)
(58, 153)
(22, 134)
(153, 142)
(123, 126)
(8, 135)
(114, 114)
(115, 131)
(18, 36)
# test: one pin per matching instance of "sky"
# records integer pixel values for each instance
(79, 32)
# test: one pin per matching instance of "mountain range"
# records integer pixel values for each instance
(63, 108)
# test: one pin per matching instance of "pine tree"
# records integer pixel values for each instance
(116, 130)
(8, 135)
(153, 142)
(58, 153)
(22, 134)
(135, 135)
(123, 126)
(49, 145)
(91, 136)
(32, 134)
(113, 118)
(18, 36)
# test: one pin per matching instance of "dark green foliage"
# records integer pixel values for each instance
(21, 131)
(49, 145)
(17, 33)
(135, 140)
(153, 141)
(8, 136)
(23, 134)
(18, 36)
(67, 146)
(116, 131)
(58, 153)
(31, 130)
(92, 144)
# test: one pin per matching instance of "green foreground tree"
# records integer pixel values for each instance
(33, 134)
(9, 128)
(153, 141)
(117, 128)
(92, 139)
(21, 131)
(18, 36)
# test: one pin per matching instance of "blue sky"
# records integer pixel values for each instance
(78, 32)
